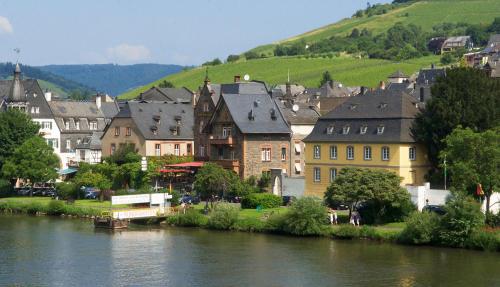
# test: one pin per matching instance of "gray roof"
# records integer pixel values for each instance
(398, 74)
(34, 96)
(260, 107)
(329, 89)
(250, 88)
(493, 44)
(167, 94)
(456, 41)
(109, 109)
(306, 113)
(75, 109)
(92, 142)
(394, 111)
(144, 113)
(404, 87)
(429, 76)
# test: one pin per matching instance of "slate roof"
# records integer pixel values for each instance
(403, 87)
(167, 94)
(456, 41)
(109, 109)
(398, 74)
(31, 88)
(329, 89)
(143, 115)
(260, 106)
(251, 88)
(305, 115)
(493, 44)
(75, 109)
(92, 142)
(429, 76)
(393, 110)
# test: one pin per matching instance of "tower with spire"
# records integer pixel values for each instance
(17, 95)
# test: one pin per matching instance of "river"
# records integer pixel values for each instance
(46, 251)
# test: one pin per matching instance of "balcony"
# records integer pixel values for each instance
(228, 163)
(221, 140)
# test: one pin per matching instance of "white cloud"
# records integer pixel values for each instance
(129, 53)
(5, 26)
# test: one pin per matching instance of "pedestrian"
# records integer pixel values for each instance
(183, 206)
(358, 218)
(330, 215)
(335, 217)
(351, 219)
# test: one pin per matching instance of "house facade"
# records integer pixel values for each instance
(247, 132)
(203, 111)
(367, 131)
(152, 128)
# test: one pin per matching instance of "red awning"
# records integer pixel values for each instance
(187, 164)
(174, 170)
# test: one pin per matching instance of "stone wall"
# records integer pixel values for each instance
(253, 145)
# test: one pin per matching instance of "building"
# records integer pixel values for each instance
(425, 79)
(156, 94)
(77, 122)
(153, 128)
(367, 131)
(453, 43)
(247, 132)
(26, 95)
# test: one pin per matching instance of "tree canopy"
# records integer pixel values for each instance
(34, 161)
(325, 78)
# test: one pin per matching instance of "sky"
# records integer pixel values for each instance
(184, 32)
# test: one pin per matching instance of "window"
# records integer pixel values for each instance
(333, 174)
(46, 125)
(157, 149)
(345, 129)
(128, 131)
(77, 125)
(350, 152)
(52, 143)
(188, 149)
(363, 129)
(380, 129)
(35, 110)
(78, 141)
(283, 153)
(155, 132)
(333, 152)
(330, 129)
(266, 154)
(202, 150)
(317, 174)
(413, 153)
(226, 132)
(93, 125)
(317, 151)
(66, 125)
(385, 153)
(68, 144)
(82, 155)
(201, 126)
(177, 149)
(206, 108)
(221, 153)
(117, 131)
(113, 148)
(367, 151)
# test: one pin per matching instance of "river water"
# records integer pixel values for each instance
(45, 251)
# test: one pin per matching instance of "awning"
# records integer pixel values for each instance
(68, 170)
(174, 170)
(297, 167)
(297, 148)
(187, 164)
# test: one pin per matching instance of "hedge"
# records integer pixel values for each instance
(265, 200)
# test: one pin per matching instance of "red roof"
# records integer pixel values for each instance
(187, 164)
(174, 170)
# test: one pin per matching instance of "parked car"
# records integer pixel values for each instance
(233, 199)
(187, 198)
(438, 209)
(288, 199)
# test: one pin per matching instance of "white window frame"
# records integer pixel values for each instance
(158, 149)
(367, 153)
(206, 107)
(350, 152)
(386, 153)
(66, 124)
(412, 153)
(266, 154)
(77, 125)
(283, 154)
(317, 151)
(346, 129)
(333, 152)
(330, 129)
(93, 125)
(68, 144)
(201, 127)
(380, 129)
(226, 132)
(363, 130)
(202, 150)
(177, 149)
(333, 174)
(317, 174)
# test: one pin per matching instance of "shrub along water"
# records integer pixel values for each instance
(265, 200)
(224, 216)
(54, 207)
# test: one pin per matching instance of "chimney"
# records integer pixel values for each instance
(98, 101)
(48, 95)
(288, 89)
(382, 85)
(237, 78)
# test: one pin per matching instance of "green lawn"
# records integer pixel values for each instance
(348, 70)
(87, 203)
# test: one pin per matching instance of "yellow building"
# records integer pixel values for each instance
(368, 131)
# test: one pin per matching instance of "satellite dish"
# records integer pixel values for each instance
(340, 85)
(246, 77)
(295, 108)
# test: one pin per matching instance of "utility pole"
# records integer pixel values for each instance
(444, 163)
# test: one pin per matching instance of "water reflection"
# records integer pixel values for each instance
(45, 251)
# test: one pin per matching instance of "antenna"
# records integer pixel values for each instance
(288, 80)
(246, 77)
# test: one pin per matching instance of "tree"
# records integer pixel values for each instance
(473, 158)
(326, 77)
(466, 97)
(93, 179)
(355, 33)
(213, 180)
(33, 161)
(15, 128)
(495, 26)
(447, 59)
(232, 58)
(166, 84)
(305, 217)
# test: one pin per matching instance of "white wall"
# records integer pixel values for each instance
(52, 133)
(494, 203)
(423, 195)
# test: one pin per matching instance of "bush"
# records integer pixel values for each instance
(275, 223)
(232, 58)
(34, 207)
(483, 240)
(67, 190)
(462, 219)
(346, 231)
(493, 220)
(266, 200)
(394, 212)
(421, 228)
(223, 216)
(56, 207)
(307, 216)
(250, 224)
(192, 218)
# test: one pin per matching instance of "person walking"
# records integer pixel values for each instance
(351, 219)
(335, 217)
(330, 216)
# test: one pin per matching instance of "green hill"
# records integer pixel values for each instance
(349, 70)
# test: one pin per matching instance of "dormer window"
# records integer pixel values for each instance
(77, 125)
(352, 107)
(156, 119)
(380, 129)
(66, 125)
(154, 129)
(330, 129)
(174, 130)
(345, 129)
(363, 129)
(206, 108)
(273, 114)
(251, 115)
(382, 105)
(178, 120)
(93, 125)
